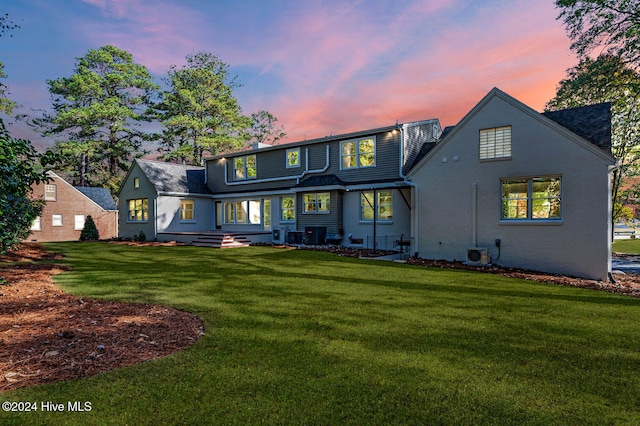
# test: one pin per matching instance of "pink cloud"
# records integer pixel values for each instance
(157, 34)
(521, 52)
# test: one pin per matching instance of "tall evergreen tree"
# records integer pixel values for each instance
(97, 116)
(199, 111)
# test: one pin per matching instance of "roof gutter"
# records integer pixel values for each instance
(280, 178)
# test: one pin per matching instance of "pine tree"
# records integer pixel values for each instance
(90, 231)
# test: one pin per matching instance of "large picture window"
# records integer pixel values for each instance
(245, 167)
(358, 153)
(287, 209)
(317, 202)
(537, 198)
(495, 143)
(385, 205)
(138, 210)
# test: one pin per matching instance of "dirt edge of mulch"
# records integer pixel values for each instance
(49, 336)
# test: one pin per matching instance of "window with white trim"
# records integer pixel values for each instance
(136, 182)
(78, 222)
(293, 158)
(287, 209)
(495, 143)
(56, 220)
(138, 210)
(244, 211)
(187, 211)
(536, 198)
(254, 212)
(50, 192)
(244, 167)
(37, 224)
(266, 213)
(385, 205)
(358, 153)
(318, 202)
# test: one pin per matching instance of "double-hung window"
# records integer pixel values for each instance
(244, 167)
(535, 198)
(358, 153)
(138, 210)
(287, 209)
(50, 192)
(56, 220)
(384, 204)
(293, 158)
(318, 202)
(495, 143)
(187, 211)
(78, 222)
(37, 224)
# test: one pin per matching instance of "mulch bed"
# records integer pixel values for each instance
(628, 284)
(49, 336)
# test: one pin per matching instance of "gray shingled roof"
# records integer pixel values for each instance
(426, 147)
(320, 180)
(592, 122)
(169, 177)
(100, 196)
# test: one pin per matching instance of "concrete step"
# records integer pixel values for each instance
(221, 241)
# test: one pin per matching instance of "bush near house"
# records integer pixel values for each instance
(89, 231)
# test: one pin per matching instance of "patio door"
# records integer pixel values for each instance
(218, 215)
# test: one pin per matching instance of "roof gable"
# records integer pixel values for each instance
(99, 196)
(177, 178)
(497, 93)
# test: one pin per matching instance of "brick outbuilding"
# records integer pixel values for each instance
(67, 208)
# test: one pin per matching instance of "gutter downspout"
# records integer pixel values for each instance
(610, 230)
(155, 216)
(415, 223)
(474, 214)
(276, 179)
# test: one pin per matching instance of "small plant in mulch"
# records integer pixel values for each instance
(141, 237)
(90, 231)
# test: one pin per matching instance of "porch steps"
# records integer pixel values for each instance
(221, 241)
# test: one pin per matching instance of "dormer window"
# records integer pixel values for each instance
(358, 153)
(244, 167)
(293, 157)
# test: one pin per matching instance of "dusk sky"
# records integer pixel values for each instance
(321, 67)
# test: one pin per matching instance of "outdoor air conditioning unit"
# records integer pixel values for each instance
(477, 256)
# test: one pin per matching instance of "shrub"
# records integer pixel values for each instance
(90, 231)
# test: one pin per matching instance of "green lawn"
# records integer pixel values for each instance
(302, 337)
(626, 246)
